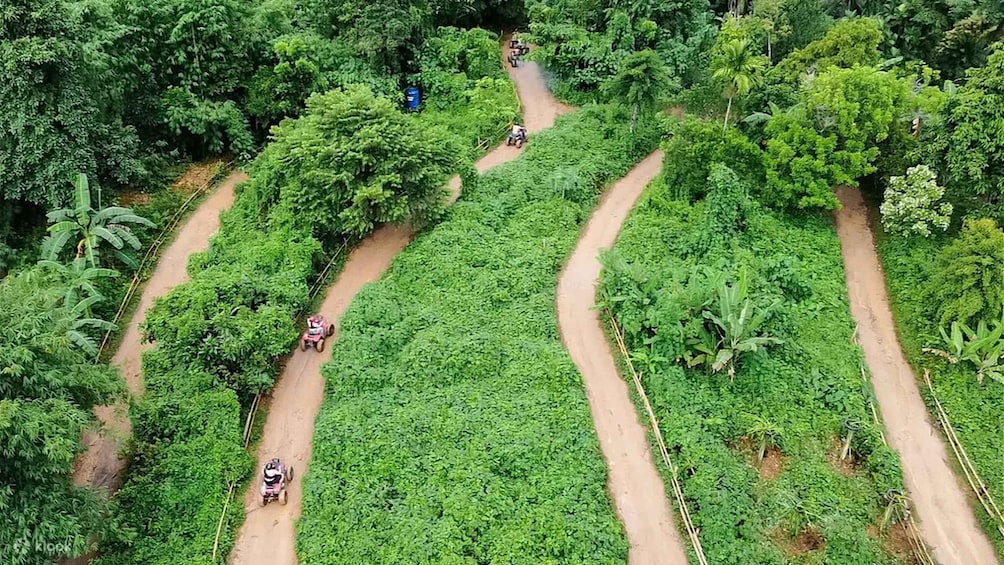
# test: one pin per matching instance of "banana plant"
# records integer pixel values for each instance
(78, 278)
(737, 323)
(78, 320)
(982, 347)
(91, 228)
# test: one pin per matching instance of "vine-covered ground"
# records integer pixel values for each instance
(803, 503)
(455, 428)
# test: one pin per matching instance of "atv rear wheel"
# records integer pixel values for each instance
(330, 331)
(284, 497)
(319, 345)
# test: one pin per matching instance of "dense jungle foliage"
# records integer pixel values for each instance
(455, 427)
(793, 97)
(219, 336)
(795, 400)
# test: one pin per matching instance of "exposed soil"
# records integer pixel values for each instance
(100, 465)
(773, 458)
(268, 536)
(896, 542)
(845, 467)
(809, 539)
(947, 522)
(634, 483)
(197, 176)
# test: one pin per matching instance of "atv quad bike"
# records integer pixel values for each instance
(516, 139)
(277, 489)
(315, 334)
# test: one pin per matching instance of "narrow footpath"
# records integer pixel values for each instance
(100, 466)
(634, 482)
(268, 535)
(947, 521)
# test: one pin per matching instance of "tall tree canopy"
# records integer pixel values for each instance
(60, 100)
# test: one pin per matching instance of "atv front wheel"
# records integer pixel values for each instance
(289, 474)
(320, 345)
(331, 330)
(262, 500)
(303, 345)
(284, 498)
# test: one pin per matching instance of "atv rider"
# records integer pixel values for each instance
(273, 474)
(518, 133)
(315, 325)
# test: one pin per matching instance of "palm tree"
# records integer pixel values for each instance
(739, 68)
(641, 82)
(91, 228)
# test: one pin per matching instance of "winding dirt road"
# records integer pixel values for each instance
(947, 521)
(268, 535)
(100, 466)
(634, 483)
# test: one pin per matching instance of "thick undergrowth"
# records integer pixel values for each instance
(220, 337)
(969, 403)
(759, 457)
(455, 428)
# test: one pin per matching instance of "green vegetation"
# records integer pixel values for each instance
(219, 337)
(969, 267)
(49, 387)
(455, 427)
(771, 280)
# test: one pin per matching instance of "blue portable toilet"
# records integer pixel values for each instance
(412, 98)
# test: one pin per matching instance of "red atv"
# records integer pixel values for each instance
(274, 487)
(317, 330)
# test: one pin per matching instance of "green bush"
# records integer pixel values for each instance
(967, 282)
(693, 145)
(802, 390)
(454, 427)
(354, 161)
(47, 394)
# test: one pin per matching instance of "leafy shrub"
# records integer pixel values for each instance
(354, 161)
(967, 283)
(47, 393)
(693, 145)
(805, 388)
(728, 207)
(832, 137)
(455, 427)
(911, 203)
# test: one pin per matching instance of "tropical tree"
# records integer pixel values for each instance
(912, 204)
(49, 386)
(739, 68)
(78, 279)
(967, 278)
(91, 228)
(641, 82)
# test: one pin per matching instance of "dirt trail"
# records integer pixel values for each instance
(634, 482)
(100, 466)
(947, 521)
(268, 535)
